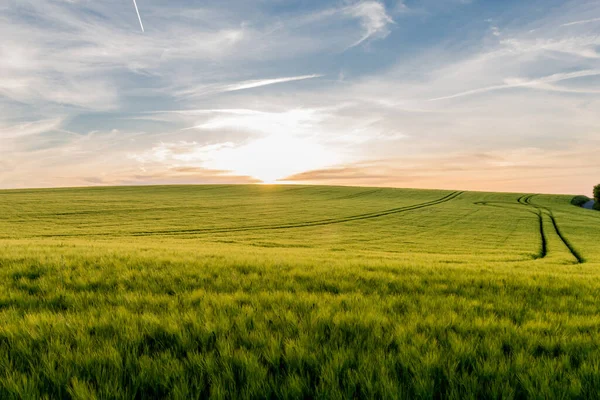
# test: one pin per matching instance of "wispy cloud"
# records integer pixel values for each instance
(30, 128)
(534, 83)
(205, 90)
(584, 21)
(373, 18)
(583, 46)
(289, 122)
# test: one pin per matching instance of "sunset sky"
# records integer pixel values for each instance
(455, 94)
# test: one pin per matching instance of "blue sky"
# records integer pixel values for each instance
(483, 95)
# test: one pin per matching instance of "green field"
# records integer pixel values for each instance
(297, 292)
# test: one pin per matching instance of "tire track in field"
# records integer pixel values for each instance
(329, 221)
(562, 237)
(543, 252)
(524, 201)
(540, 211)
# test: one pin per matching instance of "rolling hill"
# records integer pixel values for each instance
(297, 292)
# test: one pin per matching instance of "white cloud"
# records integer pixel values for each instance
(373, 18)
(583, 46)
(89, 54)
(298, 121)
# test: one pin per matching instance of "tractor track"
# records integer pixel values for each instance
(565, 241)
(543, 251)
(540, 211)
(329, 221)
(544, 247)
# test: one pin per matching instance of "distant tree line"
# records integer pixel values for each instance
(597, 197)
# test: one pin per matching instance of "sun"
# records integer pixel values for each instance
(273, 158)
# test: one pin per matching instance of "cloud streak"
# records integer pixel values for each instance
(540, 83)
(138, 15)
(585, 21)
(207, 90)
(265, 82)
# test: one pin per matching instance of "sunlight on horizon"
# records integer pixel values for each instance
(273, 158)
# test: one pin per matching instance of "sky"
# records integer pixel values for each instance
(452, 94)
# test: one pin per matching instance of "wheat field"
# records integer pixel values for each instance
(295, 292)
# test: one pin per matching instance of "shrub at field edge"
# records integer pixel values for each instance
(580, 200)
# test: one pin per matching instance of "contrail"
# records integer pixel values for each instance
(138, 14)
